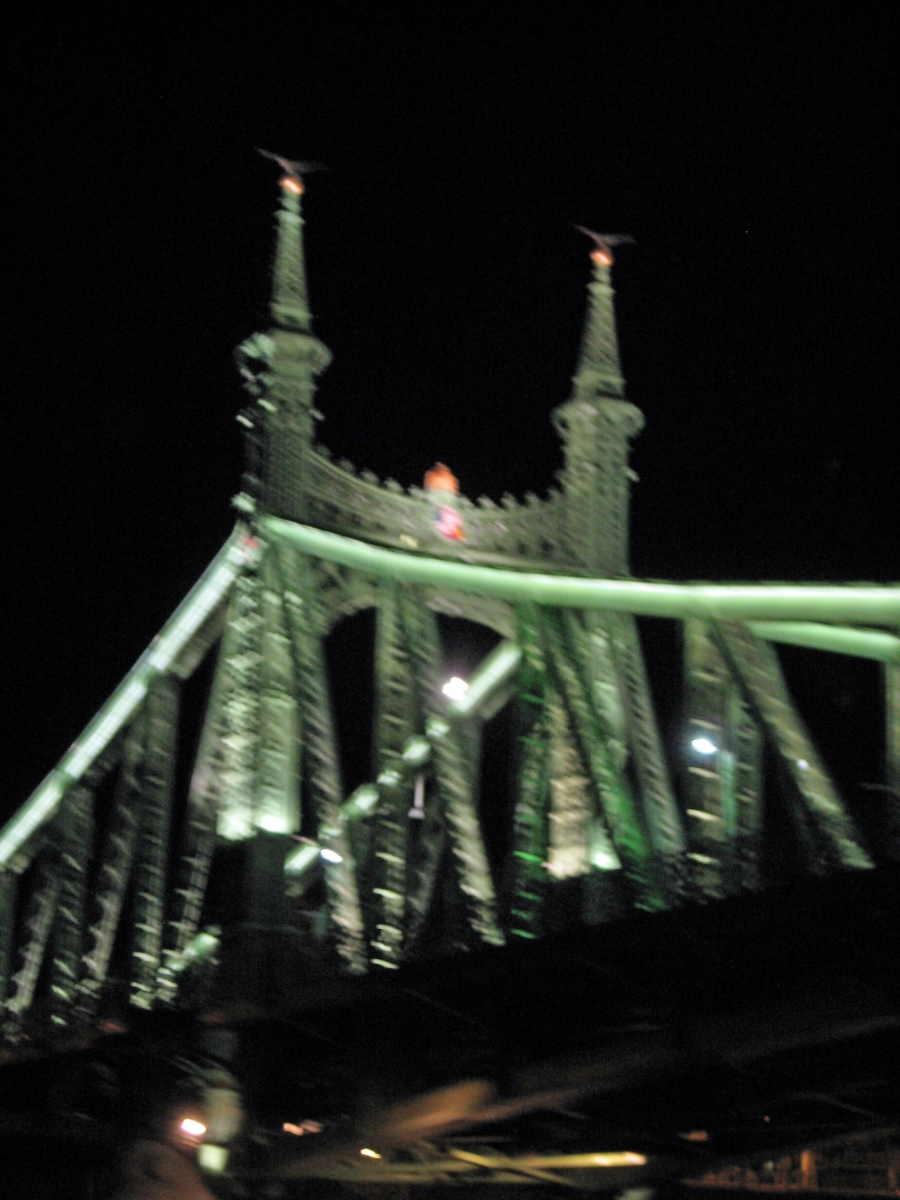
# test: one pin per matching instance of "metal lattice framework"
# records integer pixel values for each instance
(94, 908)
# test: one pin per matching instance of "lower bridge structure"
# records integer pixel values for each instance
(580, 983)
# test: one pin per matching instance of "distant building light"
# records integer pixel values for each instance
(704, 746)
(455, 688)
(192, 1128)
(367, 1153)
(331, 856)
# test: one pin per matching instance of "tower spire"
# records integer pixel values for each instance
(289, 306)
(599, 372)
(596, 424)
(280, 366)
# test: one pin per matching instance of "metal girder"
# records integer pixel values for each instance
(198, 838)
(756, 665)
(873, 605)
(95, 740)
(161, 734)
(115, 867)
(530, 815)
(39, 913)
(651, 771)
(322, 765)
(277, 806)
(239, 660)
(76, 820)
(453, 775)
(892, 754)
(622, 816)
(8, 893)
(724, 785)
(394, 724)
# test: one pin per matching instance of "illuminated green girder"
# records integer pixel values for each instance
(394, 724)
(530, 816)
(40, 908)
(277, 801)
(723, 788)
(891, 681)
(622, 816)
(756, 665)
(321, 758)
(454, 778)
(870, 604)
(239, 660)
(161, 734)
(624, 666)
(8, 896)
(114, 871)
(76, 831)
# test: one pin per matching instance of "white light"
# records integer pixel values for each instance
(192, 1128)
(367, 1153)
(331, 856)
(802, 764)
(213, 1159)
(704, 746)
(455, 688)
(273, 824)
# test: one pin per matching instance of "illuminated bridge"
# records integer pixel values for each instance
(577, 979)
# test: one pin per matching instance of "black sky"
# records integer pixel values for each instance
(750, 154)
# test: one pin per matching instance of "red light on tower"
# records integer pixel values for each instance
(602, 257)
(292, 184)
(441, 479)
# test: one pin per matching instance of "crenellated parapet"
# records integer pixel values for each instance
(359, 505)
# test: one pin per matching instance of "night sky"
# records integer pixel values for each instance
(749, 155)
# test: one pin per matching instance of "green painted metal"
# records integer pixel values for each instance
(755, 664)
(891, 683)
(76, 820)
(277, 807)
(861, 643)
(40, 909)
(116, 858)
(395, 721)
(151, 866)
(617, 666)
(322, 766)
(8, 896)
(874, 605)
(623, 818)
(162, 652)
(453, 776)
(723, 788)
(530, 833)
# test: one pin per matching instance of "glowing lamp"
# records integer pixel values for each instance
(704, 746)
(192, 1127)
(603, 258)
(331, 856)
(441, 479)
(292, 184)
(455, 688)
(367, 1153)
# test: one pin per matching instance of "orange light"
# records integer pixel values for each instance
(441, 479)
(192, 1128)
(603, 258)
(292, 184)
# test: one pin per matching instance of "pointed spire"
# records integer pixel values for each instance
(599, 371)
(289, 306)
(596, 424)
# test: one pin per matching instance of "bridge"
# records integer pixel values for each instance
(396, 984)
